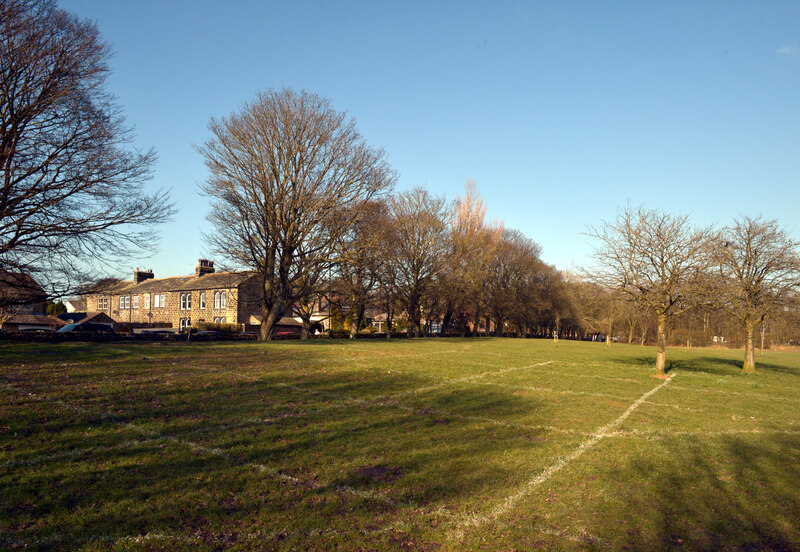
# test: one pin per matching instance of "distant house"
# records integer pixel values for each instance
(180, 301)
(23, 304)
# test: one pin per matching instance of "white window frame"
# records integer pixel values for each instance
(147, 300)
(186, 301)
(202, 300)
(135, 301)
(102, 303)
(124, 302)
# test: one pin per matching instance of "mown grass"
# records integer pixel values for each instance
(488, 444)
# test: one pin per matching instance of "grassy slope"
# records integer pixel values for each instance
(427, 444)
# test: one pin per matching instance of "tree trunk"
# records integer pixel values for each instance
(763, 335)
(477, 320)
(448, 316)
(608, 334)
(269, 317)
(661, 352)
(749, 350)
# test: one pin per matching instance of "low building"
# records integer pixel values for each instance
(180, 301)
(23, 304)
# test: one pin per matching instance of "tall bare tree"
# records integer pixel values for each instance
(470, 242)
(759, 271)
(360, 272)
(511, 282)
(70, 185)
(289, 175)
(656, 257)
(418, 248)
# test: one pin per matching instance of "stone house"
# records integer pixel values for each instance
(180, 301)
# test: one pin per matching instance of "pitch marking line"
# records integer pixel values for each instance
(527, 488)
(759, 396)
(78, 452)
(262, 468)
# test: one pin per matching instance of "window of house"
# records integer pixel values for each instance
(186, 301)
(160, 300)
(102, 303)
(219, 300)
(147, 300)
(124, 302)
(185, 323)
(220, 320)
(203, 300)
(135, 301)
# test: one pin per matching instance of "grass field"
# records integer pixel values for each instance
(491, 444)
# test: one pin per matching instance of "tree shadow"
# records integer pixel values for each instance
(717, 365)
(742, 497)
(286, 468)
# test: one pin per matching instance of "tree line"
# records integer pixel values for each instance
(298, 196)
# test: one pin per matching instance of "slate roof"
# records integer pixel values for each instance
(217, 280)
(81, 317)
(35, 320)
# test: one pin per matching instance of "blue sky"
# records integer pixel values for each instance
(560, 111)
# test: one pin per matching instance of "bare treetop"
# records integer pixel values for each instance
(289, 177)
(759, 270)
(655, 257)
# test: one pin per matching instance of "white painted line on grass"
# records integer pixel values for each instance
(527, 488)
(77, 452)
(656, 434)
(196, 447)
(554, 391)
(737, 393)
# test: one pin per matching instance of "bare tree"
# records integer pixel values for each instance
(418, 247)
(70, 186)
(289, 175)
(360, 272)
(759, 271)
(470, 243)
(657, 258)
(510, 285)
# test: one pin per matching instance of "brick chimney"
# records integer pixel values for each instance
(204, 266)
(140, 276)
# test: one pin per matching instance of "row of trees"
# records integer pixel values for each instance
(660, 263)
(298, 196)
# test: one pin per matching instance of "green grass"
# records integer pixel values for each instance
(488, 444)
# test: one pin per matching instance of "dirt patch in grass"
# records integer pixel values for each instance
(382, 474)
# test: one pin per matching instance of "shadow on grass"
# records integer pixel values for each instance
(722, 366)
(741, 494)
(312, 442)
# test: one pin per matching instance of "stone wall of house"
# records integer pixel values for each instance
(171, 312)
